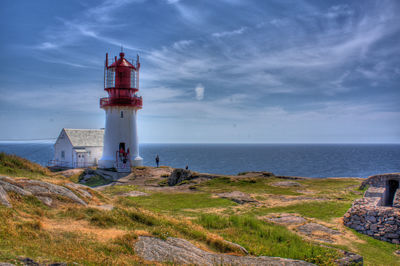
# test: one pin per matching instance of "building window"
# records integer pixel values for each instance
(122, 114)
(62, 154)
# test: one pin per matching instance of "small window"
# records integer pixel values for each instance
(88, 153)
(122, 114)
(62, 154)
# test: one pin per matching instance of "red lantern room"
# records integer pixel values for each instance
(121, 81)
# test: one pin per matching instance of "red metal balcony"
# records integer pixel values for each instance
(134, 101)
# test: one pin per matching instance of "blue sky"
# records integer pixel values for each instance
(237, 71)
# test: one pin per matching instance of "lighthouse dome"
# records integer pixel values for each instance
(122, 62)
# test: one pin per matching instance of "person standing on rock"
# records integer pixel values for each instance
(157, 160)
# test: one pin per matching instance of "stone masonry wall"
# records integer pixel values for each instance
(380, 222)
(367, 216)
(396, 201)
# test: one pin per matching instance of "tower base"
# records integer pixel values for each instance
(138, 161)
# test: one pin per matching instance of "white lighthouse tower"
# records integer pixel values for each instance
(121, 145)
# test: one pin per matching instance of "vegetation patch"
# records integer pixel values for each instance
(13, 165)
(248, 185)
(174, 202)
(261, 238)
(324, 210)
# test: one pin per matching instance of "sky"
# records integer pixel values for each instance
(212, 71)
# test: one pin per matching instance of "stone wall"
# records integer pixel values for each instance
(380, 222)
(396, 201)
(380, 180)
(369, 216)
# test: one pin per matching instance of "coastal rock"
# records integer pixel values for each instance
(238, 197)
(318, 232)
(180, 251)
(6, 264)
(285, 219)
(44, 191)
(134, 194)
(350, 258)
(40, 188)
(179, 175)
(4, 197)
(10, 187)
(286, 184)
(81, 189)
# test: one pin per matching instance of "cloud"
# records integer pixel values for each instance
(229, 33)
(199, 92)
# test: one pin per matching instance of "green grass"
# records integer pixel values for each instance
(248, 185)
(323, 210)
(324, 185)
(96, 181)
(176, 202)
(118, 189)
(261, 238)
(13, 165)
(376, 252)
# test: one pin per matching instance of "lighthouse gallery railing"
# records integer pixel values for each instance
(121, 101)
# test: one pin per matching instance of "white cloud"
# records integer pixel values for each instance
(199, 92)
(229, 33)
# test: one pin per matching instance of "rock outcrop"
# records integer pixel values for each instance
(179, 251)
(179, 175)
(44, 191)
(238, 197)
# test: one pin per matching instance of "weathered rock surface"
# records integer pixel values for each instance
(134, 194)
(286, 184)
(6, 264)
(286, 219)
(180, 251)
(318, 231)
(350, 259)
(179, 175)
(4, 198)
(44, 191)
(238, 197)
(81, 189)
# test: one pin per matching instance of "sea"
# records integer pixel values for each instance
(308, 160)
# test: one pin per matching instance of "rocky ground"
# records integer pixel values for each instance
(165, 215)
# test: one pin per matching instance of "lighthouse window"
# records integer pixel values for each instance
(122, 114)
(62, 154)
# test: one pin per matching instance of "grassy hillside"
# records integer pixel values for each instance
(12, 165)
(105, 231)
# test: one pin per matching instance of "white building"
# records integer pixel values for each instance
(77, 148)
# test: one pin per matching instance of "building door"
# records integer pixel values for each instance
(122, 146)
(391, 187)
(81, 160)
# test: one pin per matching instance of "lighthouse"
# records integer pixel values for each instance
(121, 146)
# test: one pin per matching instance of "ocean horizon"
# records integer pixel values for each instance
(308, 160)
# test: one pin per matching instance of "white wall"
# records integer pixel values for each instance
(63, 144)
(92, 156)
(119, 129)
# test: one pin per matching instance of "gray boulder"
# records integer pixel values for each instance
(4, 197)
(40, 188)
(179, 175)
(238, 197)
(44, 191)
(179, 251)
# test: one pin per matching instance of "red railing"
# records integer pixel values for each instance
(121, 101)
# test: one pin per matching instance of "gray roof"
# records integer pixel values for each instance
(85, 137)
